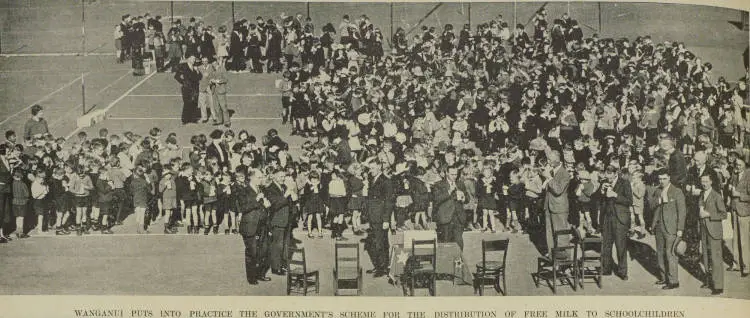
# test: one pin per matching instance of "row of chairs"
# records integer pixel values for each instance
(565, 266)
(422, 267)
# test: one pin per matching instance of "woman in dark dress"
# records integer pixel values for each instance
(188, 77)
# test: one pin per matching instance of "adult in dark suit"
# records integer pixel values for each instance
(5, 190)
(237, 49)
(218, 149)
(617, 198)
(448, 207)
(556, 206)
(676, 164)
(279, 197)
(379, 206)
(668, 224)
(252, 204)
(712, 211)
(189, 77)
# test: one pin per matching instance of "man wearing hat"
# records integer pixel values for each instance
(668, 224)
(711, 212)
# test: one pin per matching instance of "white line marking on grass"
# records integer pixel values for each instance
(58, 122)
(178, 118)
(118, 100)
(228, 95)
(43, 98)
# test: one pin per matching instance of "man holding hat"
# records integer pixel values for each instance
(711, 212)
(668, 224)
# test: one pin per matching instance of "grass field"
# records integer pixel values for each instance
(181, 265)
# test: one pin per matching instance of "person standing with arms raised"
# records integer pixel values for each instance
(617, 198)
(556, 206)
(253, 204)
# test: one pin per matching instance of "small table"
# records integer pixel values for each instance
(450, 263)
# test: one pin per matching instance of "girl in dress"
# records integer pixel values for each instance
(168, 191)
(313, 204)
(358, 183)
(487, 196)
(187, 193)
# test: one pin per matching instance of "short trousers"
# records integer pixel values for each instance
(39, 207)
(82, 202)
(19, 210)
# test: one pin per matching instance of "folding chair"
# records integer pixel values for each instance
(347, 272)
(562, 263)
(590, 261)
(423, 264)
(299, 279)
(491, 269)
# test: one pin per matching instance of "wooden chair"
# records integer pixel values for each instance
(299, 279)
(347, 272)
(561, 264)
(491, 269)
(423, 264)
(590, 260)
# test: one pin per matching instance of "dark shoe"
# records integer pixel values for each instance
(264, 279)
(717, 292)
(623, 277)
(744, 274)
(607, 273)
(226, 232)
(167, 230)
(234, 231)
(61, 232)
(733, 268)
(253, 282)
(670, 286)
(3, 240)
(107, 231)
(370, 271)
(216, 230)
(660, 282)
(279, 272)
(705, 286)
(341, 238)
(379, 274)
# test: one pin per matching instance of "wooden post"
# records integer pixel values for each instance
(83, 52)
(171, 12)
(469, 15)
(600, 16)
(232, 14)
(391, 38)
(308, 9)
